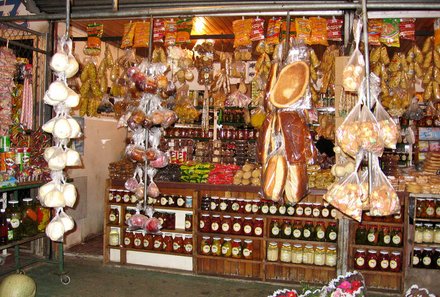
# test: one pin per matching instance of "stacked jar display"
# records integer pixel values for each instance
(161, 242)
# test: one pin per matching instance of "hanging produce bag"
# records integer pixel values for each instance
(347, 134)
(388, 129)
(369, 132)
(354, 71)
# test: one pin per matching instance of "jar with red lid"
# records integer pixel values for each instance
(206, 202)
(216, 246)
(188, 221)
(417, 258)
(299, 209)
(273, 208)
(167, 243)
(316, 210)
(226, 224)
(395, 262)
(248, 206)
(163, 200)
(236, 248)
(360, 259)
(223, 206)
(237, 226)
(178, 246)
(128, 239)
(157, 242)
(125, 196)
(138, 239)
(275, 229)
(205, 223)
(215, 203)
(188, 244)
(181, 201)
(215, 223)
(396, 237)
(248, 226)
(372, 259)
(308, 207)
(430, 208)
(255, 206)
(148, 242)
(384, 260)
(235, 206)
(333, 212)
(248, 249)
(286, 229)
(258, 227)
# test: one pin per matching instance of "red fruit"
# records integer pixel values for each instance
(153, 225)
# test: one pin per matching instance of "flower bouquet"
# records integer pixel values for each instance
(285, 293)
(349, 285)
(415, 291)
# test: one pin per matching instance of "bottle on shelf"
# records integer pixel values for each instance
(3, 227)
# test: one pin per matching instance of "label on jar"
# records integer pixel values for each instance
(320, 234)
(235, 206)
(332, 235)
(180, 202)
(224, 250)
(223, 206)
(299, 211)
(319, 259)
(161, 221)
(258, 231)
(146, 243)
(426, 261)
(330, 260)
(396, 239)
(127, 241)
(273, 209)
(297, 258)
(308, 211)
(287, 230)
(430, 211)
(15, 223)
(187, 224)
(176, 246)
(360, 262)
(437, 211)
(163, 201)
(202, 224)
(247, 229)
(225, 227)
(170, 201)
(415, 260)
(126, 198)
(236, 227)
(307, 233)
(248, 207)
(112, 218)
(214, 226)
(282, 209)
(188, 248)
(214, 249)
(137, 242)
(213, 206)
(291, 210)
(438, 262)
(206, 248)
(325, 213)
(235, 251)
(387, 239)
(10, 235)
(437, 236)
(384, 264)
(254, 208)
(275, 230)
(333, 212)
(110, 196)
(127, 216)
(297, 233)
(265, 209)
(246, 252)
(118, 198)
(372, 263)
(393, 264)
(316, 212)
(133, 199)
(427, 236)
(371, 237)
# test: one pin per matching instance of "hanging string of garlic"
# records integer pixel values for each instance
(58, 193)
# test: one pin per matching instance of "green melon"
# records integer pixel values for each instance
(18, 285)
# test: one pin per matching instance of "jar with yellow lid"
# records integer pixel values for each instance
(297, 254)
(272, 252)
(308, 254)
(319, 258)
(330, 256)
(286, 253)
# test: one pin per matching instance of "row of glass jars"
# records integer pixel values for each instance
(231, 225)
(426, 258)
(227, 247)
(428, 208)
(22, 219)
(427, 233)
(179, 201)
(374, 260)
(300, 254)
(304, 230)
(180, 244)
(121, 196)
(379, 235)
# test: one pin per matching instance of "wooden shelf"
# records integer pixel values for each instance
(229, 259)
(116, 226)
(156, 252)
(23, 240)
(377, 247)
(389, 224)
(310, 266)
(399, 273)
(426, 220)
(424, 195)
(180, 231)
(122, 204)
(303, 242)
(312, 219)
(233, 236)
(232, 214)
(159, 208)
(427, 245)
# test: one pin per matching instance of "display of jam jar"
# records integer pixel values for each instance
(272, 252)
(167, 243)
(138, 239)
(430, 208)
(286, 229)
(148, 241)
(437, 259)
(320, 231)
(178, 244)
(256, 205)
(384, 260)
(395, 261)
(427, 258)
(128, 239)
(308, 231)
(282, 210)
(258, 227)
(224, 204)
(330, 257)
(118, 196)
(437, 209)
(361, 234)
(188, 222)
(188, 244)
(299, 209)
(235, 206)
(180, 201)
(384, 236)
(205, 223)
(206, 203)
(126, 196)
(396, 237)
(226, 224)
(215, 203)
(316, 210)
(428, 233)
(325, 211)
(286, 253)
(360, 259)
(29, 219)
(437, 233)
(308, 208)
(319, 258)
(372, 259)
(297, 230)
(331, 232)
(216, 246)
(248, 206)
(205, 246)
(290, 210)
(372, 235)
(236, 248)
(215, 223)
(265, 207)
(111, 195)
(227, 247)
(248, 249)
(237, 226)
(275, 229)
(113, 238)
(417, 258)
(273, 208)
(248, 226)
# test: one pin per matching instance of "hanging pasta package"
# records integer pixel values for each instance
(170, 32)
(184, 27)
(257, 32)
(374, 30)
(383, 198)
(318, 34)
(273, 31)
(334, 29)
(354, 71)
(390, 32)
(292, 30)
(242, 31)
(94, 34)
(141, 34)
(303, 29)
(158, 30)
(408, 29)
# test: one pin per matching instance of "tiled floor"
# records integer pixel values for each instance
(91, 247)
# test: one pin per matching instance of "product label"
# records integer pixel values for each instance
(206, 249)
(224, 250)
(133, 198)
(396, 239)
(265, 209)
(247, 229)
(333, 213)
(415, 260)
(214, 226)
(163, 201)
(248, 207)
(291, 210)
(180, 202)
(110, 197)
(275, 230)
(287, 231)
(297, 233)
(188, 248)
(438, 262)
(307, 211)
(127, 216)
(235, 206)
(15, 223)
(176, 246)
(236, 227)
(202, 224)
(146, 243)
(223, 206)
(393, 264)
(137, 242)
(157, 244)
(426, 261)
(307, 233)
(213, 206)
(235, 251)
(170, 201)
(427, 236)
(387, 239)
(255, 208)
(319, 259)
(360, 262)
(384, 264)
(258, 231)
(298, 258)
(299, 211)
(246, 253)
(330, 260)
(320, 234)
(316, 212)
(273, 209)
(127, 241)
(214, 249)
(282, 209)
(225, 227)
(430, 211)
(187, 224)
(371, 237)
(112, 218)
(10, 235)
(437, 211)
(118, 198)
(126, 198)
(372, 263)
(325, 213)
(332, 235)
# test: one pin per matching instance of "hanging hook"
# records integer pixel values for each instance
(7, 43)
(67, 18)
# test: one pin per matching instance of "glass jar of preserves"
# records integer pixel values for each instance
(275, 229)
(308, 255)
(248, 226)
(241, 203)
(437, 209)
(290, 210)
(372, 259)
(286, 229)
(331, 233)
(282, 209)
(237, 226)
(258, 227)
(297, 230)
(129, 212)
(215, 223)
(188, 244)
(330, 256)
(235, 206)
(188, 221)
(437, 233)
(223, 206)
(216, 247)
(265, 207)
(206, 203)
(148, 242)
(286, 253)
(215, 202)
(172, 200)
(167, 243)
(316, 211)
(178, 244)
(111, 195)
(226, 247)
(29, 218)
(13, 215)
(437, 259)
(421, 208)
(384, 260)
(164, 200)
(255, 206)
(308, 206)
(333, 212)
(372, 235)
(272, 252)
(320, 231)
(226, 224)
(205, 223)
(319, 258)
(248, 206)
(128, 239)
(138, 239)
(427, 258)
(325, 212)
(395, 261)
(417, 258)
(126, 196)
(299, 209)
(158, 242)
(430, 208)
(428, 233)
(308, 231)
(418, 233)
(205, 246)
(248, 249)
(384, 236)
(118, 196)
(360, 259)
(236, 248)
(180, 201)
(273, 208)
(188, 201)
(113, 238)
(297, 254)
(396, 237)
